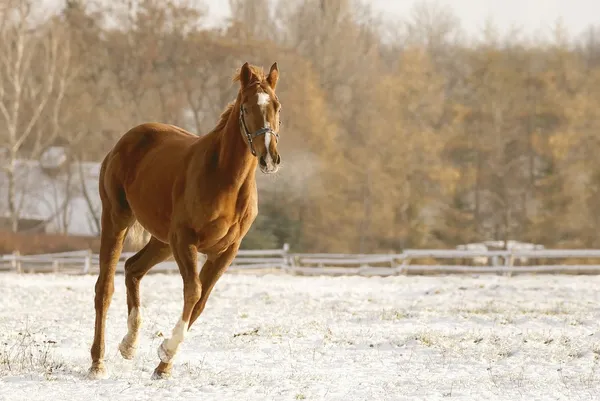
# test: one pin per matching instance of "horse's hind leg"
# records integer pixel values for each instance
(136, 268)
(114, 228)
(116, 219)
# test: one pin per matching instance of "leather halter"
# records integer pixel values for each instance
(259, 132)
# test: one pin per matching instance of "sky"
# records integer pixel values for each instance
(531, 15)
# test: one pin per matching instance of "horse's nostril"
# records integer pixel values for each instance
(262, 161)
(278, 159)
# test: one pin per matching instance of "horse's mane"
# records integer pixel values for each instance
(224, 117)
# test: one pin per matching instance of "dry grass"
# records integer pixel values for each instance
(29, 354)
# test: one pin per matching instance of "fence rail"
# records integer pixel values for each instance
(410, 261)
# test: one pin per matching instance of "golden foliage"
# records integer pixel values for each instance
(416, 141)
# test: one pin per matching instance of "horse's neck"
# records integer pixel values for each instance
(235, 159)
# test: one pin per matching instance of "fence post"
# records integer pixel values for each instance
(403, 267)
(87, 262)
(394, 265)
(495, 261)
(16, 262)
(286, 261)
(510, 261)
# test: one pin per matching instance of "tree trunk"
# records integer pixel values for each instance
(88, 199)
(367, 213)
(12, 195)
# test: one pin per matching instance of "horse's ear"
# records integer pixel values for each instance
(273, 76)
(245, 75)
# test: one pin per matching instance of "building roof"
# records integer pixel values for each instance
(54, 195)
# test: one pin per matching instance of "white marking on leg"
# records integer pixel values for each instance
(178, 334)
(169, 346)
(129, 343)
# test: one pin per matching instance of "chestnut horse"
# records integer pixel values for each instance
(192, 194)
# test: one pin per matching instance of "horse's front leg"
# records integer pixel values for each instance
(212, 270)
(183, 245)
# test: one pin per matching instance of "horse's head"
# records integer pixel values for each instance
(259, 115)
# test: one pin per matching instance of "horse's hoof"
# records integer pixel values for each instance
(97, 372)
(164, 353)
(127, 349)
(157, 375)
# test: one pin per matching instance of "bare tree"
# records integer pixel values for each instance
(34, 74)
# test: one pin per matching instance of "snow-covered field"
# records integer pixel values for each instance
(277, 337)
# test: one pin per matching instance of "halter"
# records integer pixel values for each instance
(259, 132)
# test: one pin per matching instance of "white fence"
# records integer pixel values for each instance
(411, 261)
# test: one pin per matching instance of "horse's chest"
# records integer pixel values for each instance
(221, 233)
(224, 220)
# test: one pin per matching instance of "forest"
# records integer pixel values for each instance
(396, 134)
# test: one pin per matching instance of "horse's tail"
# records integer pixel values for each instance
(136, 236)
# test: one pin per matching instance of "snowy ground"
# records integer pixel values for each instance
(277, 337)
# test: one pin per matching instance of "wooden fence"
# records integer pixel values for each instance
(410, 261)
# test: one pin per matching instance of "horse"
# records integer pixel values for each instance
(192, 194)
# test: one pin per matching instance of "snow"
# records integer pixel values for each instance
(281, 337)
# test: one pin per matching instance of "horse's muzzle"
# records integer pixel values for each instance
(268, 164)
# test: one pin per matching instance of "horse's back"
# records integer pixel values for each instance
(145, 145)
(144, 137)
